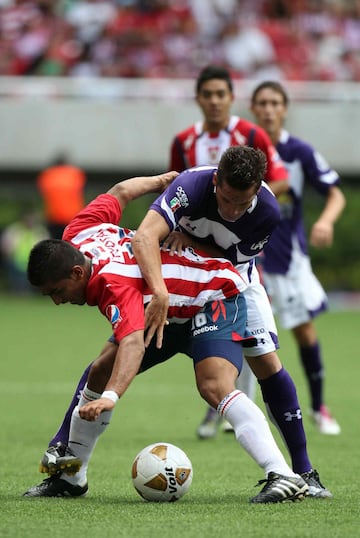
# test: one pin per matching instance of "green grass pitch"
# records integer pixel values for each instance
(44, 351)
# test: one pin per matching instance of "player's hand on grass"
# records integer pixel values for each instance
(156, 319)
(92, 410)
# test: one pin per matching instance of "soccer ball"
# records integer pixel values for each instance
(162, 473)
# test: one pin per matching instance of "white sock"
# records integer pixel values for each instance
(246, 382)
(253, 433)
(83, 438)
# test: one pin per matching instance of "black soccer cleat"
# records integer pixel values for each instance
(316, 489)
(56, 487)
(279, 489)
(59, 458)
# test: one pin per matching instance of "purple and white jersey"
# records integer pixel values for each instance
(189, 204)
(304, 164)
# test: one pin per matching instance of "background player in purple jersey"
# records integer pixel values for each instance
(232, 212)
(296, 294)
(94, 264)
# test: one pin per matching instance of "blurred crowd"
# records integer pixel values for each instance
(282, 39)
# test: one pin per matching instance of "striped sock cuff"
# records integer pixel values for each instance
(227, 402)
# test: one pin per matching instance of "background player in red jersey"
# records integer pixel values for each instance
(94, 264)
(204, 142)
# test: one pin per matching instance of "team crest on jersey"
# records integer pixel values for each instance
(174, 204)
(180, 200)
(112, 312)
(213, 154)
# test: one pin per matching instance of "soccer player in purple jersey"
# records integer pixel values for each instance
(234, 216)
(296, 294)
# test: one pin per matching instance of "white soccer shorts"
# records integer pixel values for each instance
(298, 296)
(260, 318)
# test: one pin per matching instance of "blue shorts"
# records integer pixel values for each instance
(218, 330)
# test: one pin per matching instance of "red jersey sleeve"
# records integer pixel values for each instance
(104, 209)
(122, 305)
(177, 157)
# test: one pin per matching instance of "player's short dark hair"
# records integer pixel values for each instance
(213, 71)
(52, 260)
(242, 167)
(272, 85)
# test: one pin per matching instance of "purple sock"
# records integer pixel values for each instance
(62, 435)
(312, 364)
(279, 395)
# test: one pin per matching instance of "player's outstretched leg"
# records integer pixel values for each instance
(280, 397)
(253, 433)
(312, 363)
(82, 440)
(58, 457)
(246, 382)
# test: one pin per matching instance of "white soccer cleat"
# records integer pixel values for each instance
(325, 422)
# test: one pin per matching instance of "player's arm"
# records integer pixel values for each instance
(127, 363)
(145, 244)
(322, 231)
(133, 188)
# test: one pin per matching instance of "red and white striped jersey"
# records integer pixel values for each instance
(196, 147)
(116, 284)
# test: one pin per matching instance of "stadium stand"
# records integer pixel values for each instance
(298, 40)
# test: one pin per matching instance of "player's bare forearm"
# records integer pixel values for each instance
(156, 319)
(133, 188)
(322, 232)
(146, 249)
(101, 368)
(127, 363)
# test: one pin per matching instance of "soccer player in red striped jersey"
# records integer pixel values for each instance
(94, 264)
